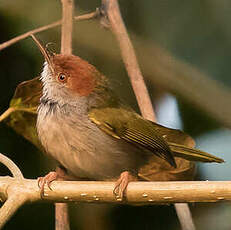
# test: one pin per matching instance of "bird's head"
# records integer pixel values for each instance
(67, 77)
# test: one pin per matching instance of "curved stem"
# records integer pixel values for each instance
(11, 166)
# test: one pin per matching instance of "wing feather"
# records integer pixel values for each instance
(129, 126)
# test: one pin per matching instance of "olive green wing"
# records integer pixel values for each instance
(193, 154)
(122, 123)
(173, 135)
(182, 145)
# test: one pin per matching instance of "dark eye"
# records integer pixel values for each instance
(62, 77)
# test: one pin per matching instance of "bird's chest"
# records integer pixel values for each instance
(81, 147)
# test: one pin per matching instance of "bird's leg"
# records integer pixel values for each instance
(122, 183)
(60, 173)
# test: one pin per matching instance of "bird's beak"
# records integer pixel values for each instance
(45, 53)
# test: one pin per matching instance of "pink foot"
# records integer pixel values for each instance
(59, 174)
(122, 183)
(46, 180)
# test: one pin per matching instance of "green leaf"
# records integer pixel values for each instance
(22, 113)
(27, 94)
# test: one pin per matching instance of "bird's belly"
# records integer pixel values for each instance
(86, 151)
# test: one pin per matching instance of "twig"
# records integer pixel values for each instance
(61, 209)
(11, 166)
(61, 216)
(11, 205)
(183, 212)
(43, 28)
(15, 200)
(112, 11)
(6, 113)
(67, 26)
(128, 54)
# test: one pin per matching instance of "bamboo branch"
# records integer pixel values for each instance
(137, 192)
(20, 191)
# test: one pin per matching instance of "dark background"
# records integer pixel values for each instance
(197, 32)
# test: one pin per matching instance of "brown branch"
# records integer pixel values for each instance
(112, 12)
(183, 212)
(137, 192)
(19, 191)
(11, 166)
(61, 216)
(15, 200)
(67, 26)
(43, 28)
(11, 205)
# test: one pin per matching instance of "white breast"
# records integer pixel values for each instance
(82, 148)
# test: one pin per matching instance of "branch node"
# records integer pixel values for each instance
(104, 20)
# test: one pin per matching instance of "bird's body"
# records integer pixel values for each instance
(86, 128)
(70, 136)
(81, 147)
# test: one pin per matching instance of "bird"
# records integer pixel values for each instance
(92, 134)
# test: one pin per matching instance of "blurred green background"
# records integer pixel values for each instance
(195, 32)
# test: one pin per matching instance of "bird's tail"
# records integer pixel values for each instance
(192, 154)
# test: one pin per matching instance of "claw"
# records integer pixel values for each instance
(122, 183)
(46, 180)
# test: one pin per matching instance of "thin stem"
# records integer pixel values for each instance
(183, 212)
(129, 58)
(6, 113)
(46, 27)
(11, 166)
(67, 26)
(61, 216)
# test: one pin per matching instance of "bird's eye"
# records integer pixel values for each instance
(62, 78)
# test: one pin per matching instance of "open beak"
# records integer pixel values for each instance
(45, 53)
